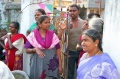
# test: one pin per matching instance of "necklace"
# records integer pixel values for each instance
(87, 56)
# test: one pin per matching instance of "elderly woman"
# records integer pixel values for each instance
(95, 64)
(97, 24)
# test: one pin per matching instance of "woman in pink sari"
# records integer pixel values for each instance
(43, 44)
(14, 47)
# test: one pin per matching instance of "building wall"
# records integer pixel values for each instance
(25, 23)
(13, 11)
(93, 6)
(3, 18)
(95, 3)
(9, 11)
(17, 0)
(12, 0)
(111, 34)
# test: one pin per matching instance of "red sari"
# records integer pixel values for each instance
(14, 62)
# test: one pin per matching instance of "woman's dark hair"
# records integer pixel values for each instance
(90, 15)
(41, 11)
(42, 18)
(98, 15)
(16, 25)
(94, 35)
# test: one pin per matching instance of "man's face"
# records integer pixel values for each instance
(74, 12)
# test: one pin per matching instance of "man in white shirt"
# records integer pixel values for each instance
(5, 73)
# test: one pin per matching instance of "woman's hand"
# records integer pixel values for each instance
(18, 54)
(9, 41)
(60, 70)
(40, 53)
(60, 61)
(62, 25)
(85, 25)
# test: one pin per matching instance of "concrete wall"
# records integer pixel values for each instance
(25, 23)
(13, 11)
(9, 11)
(12, 0)
(95, 3)
(111, 34)
(3, 18)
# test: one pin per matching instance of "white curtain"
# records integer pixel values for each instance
(111, 32)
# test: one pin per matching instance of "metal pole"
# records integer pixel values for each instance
(66, 55)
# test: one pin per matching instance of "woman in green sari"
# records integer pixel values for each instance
(38, 13)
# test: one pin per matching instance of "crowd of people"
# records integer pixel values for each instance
(86, 57)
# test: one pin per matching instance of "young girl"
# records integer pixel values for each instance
(44, 45)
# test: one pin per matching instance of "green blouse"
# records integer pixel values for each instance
(34, 25)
